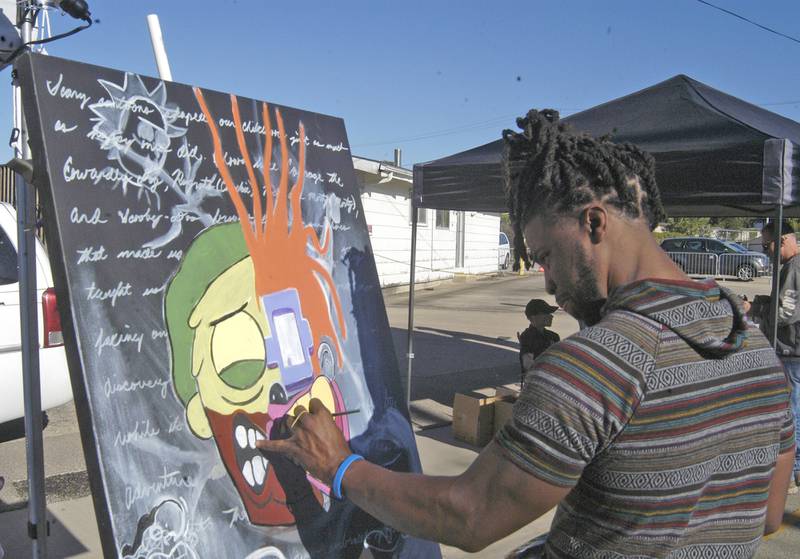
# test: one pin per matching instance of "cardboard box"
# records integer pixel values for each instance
(508, 391)
(503, 410)
(473, 416)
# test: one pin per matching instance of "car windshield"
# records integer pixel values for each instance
(735, 246)
(8, 260)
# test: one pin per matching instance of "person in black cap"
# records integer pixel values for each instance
(536, 338)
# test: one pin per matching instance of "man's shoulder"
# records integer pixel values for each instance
(628, 323)
(619, 343)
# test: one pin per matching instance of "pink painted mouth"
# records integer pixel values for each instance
(255, 480)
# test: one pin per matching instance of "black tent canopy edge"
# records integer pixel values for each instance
(716, 155)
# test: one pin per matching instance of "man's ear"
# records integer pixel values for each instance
(594, 219)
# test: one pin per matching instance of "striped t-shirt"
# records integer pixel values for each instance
(666, 418)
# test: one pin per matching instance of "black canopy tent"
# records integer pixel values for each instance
(715, 154)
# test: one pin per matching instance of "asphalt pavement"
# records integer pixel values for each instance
(465, 338)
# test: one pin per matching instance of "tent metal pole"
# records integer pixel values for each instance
(776, 259)
(412, 277)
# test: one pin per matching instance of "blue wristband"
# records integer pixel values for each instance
(336, 486)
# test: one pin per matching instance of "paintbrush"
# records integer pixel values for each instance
(335, 414)
(348, 412)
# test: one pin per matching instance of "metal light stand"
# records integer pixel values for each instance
(38, 528)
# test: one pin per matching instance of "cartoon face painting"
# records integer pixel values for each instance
(219, 275)
(252, 332)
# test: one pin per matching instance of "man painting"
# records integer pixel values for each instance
(662, 429)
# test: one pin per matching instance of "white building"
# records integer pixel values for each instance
(448, 242)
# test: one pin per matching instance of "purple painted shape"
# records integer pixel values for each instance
(290, 344)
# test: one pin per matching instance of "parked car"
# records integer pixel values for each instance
(504, 252)
(55, 384)
(713, 257)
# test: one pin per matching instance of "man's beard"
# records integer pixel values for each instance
(588, 300)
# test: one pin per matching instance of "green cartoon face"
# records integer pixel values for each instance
(228, 355)
(233, 391)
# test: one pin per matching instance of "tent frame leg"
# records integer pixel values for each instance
(776, 258)
(412, 278)
(776, 261)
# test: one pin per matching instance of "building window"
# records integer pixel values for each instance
(443, 219)
(422, 214)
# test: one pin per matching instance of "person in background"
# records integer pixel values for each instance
(662, 429)
(536, 338)
(787, 346)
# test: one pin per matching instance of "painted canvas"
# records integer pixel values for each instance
(214, 271)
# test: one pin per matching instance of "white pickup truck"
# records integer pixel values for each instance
(55, 382)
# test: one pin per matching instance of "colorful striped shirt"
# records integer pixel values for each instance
(666, 418)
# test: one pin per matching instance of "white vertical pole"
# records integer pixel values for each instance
(157, 39)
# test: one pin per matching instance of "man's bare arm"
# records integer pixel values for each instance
(492, 499)
(776, 502)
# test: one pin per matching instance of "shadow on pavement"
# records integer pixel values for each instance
(15, 429)
(445, 435)
(61, 543)
(448, 361)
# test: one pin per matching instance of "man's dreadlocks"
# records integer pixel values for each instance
(549, 167)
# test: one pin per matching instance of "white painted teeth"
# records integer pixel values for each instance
(247, 437)
(255, 470)
(247, 472)
(241, 436)
(259, 470)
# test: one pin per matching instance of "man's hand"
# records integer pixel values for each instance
(316, 443)
(746, 306)
(493, 498)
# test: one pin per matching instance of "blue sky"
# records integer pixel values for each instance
(435, 77)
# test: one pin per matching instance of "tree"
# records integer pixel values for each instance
(696, 226)
(734, 222)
